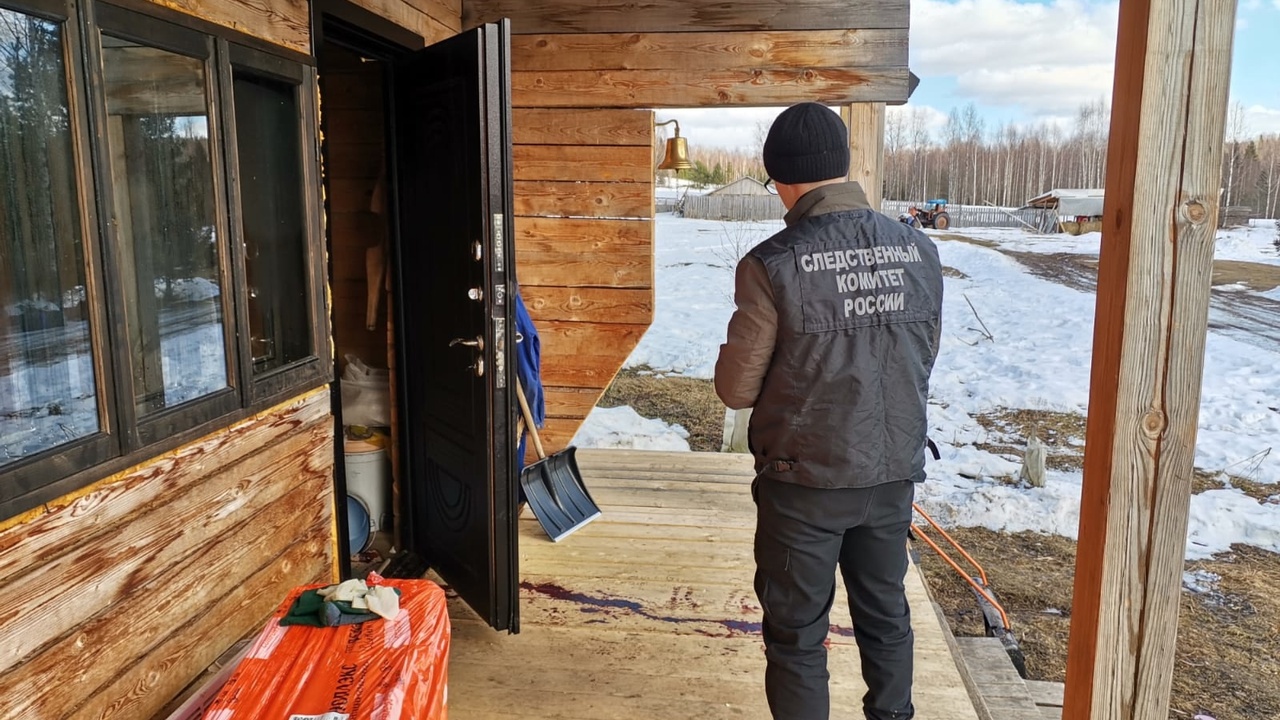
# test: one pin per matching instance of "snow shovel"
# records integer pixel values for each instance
(553, 485)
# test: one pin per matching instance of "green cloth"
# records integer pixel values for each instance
(311, 609)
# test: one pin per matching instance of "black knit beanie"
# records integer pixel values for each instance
(807, 143)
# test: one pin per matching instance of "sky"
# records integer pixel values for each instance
(1025, 62)
(1034, 354)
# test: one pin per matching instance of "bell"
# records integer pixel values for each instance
(677, 157)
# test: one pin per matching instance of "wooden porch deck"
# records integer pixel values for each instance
(649, 612)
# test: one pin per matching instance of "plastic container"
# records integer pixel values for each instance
(368, 478)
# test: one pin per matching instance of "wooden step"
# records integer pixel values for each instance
(1003, 694)
(1048, 697)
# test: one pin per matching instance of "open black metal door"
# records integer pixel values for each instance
(454, 319)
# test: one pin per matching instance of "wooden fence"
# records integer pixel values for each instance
(733, 207)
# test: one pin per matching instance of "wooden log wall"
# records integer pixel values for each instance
(699, 69)
(282, 22)
(117, 597)
(288, 22)
(584, 248)
(351, 104)
(433, 20)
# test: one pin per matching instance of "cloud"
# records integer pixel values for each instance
(1046, 59)
(733, 128)
(933, 119)
(1262, 120)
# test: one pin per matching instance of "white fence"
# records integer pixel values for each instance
(981, 215)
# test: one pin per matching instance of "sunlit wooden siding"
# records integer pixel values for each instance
(116, 597)
(584, 248)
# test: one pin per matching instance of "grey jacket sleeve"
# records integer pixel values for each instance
(745, 355)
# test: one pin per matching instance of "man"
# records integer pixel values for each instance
(832, 344)
(910, 217)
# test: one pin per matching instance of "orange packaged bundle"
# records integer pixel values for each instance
(375, 669)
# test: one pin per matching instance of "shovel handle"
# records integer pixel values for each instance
(528, 420)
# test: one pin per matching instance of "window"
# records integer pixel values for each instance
(159, 268)
(48, 387)
(165, 206)
(273, 220)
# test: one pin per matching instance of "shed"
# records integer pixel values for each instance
(743, 199)
(1075, 211)
(742, 186)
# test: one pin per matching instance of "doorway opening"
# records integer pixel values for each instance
(354, 103)
(416, 151)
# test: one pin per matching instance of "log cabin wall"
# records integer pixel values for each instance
(351, 103)
(432, 20)
(585, 77)
(584, 248)
(116, 597)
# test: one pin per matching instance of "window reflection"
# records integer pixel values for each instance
(48, 394)
(162, 185)
(271, 201)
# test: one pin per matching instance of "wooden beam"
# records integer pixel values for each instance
(866, 147)
(552, 234)
(588, 304)
(283, 22)
(578, 354)
(1163, 175)
(689, 51)
(591, 163)
(675, 89)
(543, 126)
(678, 89)
(585, 199)
(604, 16)
(408, 15)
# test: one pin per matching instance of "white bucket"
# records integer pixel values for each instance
(367, 479)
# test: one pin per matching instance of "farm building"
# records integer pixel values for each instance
(211, 204)
(743, 199)
(1073, 211)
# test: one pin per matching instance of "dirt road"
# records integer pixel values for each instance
(1245, 316)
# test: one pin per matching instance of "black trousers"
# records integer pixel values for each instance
(802, 535)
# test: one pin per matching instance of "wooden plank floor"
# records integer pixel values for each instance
(649, 612)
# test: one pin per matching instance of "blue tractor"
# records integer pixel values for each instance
(935, 215)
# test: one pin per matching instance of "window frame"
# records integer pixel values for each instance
(29, 475)
(151, 32)
(123, 440)
(279, 382)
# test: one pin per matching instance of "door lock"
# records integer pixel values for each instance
(477, 343)
(477, 367)
(476, 294)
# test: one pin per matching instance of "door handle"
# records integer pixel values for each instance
(477, 343)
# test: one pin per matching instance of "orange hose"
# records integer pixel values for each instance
(981, 573)
(978, 588)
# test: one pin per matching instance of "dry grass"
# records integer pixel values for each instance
(948, 271)
(1027, 571)
(1061, 432)
(1228, 656)
(1256, 276)
(689, 402)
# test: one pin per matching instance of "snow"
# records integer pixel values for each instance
(623, 427)
(1037, 357)
(48, 394)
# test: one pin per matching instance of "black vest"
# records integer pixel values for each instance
(859, 301)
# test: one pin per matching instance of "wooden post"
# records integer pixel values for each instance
(866, 147)
(1163, 174)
